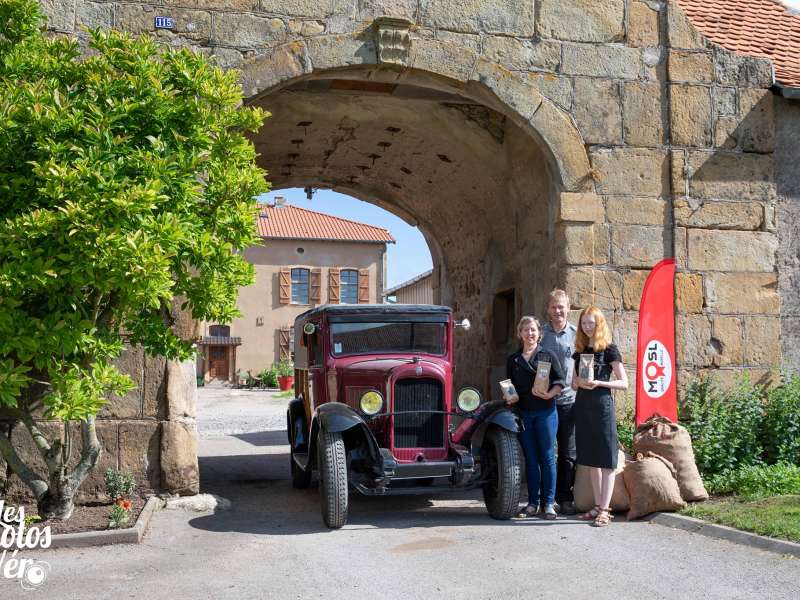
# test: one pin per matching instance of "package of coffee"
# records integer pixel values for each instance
(586, 368)
(509, 392)
(541, 385)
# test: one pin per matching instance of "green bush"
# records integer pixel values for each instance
(283, 368)
(119, 484)
(626, 427)
(758, 481)
(268, 378)
(781, 426)
(725, 426)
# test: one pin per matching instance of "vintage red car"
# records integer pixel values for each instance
(375, 411)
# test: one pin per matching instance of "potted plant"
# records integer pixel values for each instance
(285, 371)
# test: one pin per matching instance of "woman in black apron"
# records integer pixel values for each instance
(595, 416)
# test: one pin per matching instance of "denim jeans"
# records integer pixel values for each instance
(538, 442)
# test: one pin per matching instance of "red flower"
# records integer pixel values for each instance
(125, 504)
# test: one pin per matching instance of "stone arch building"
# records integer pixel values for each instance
(536, 143)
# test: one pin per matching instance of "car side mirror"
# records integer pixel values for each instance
(465, 324)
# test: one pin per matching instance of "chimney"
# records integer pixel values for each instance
(280, 202)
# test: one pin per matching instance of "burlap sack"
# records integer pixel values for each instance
(665, 438)
(652, 486)
(584, 497)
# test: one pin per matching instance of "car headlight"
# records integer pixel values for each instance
(371, 402)
(468, 399)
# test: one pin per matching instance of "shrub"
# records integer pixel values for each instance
(268, 378)
(626, 427)
(782, 421)
(725, 426)
(119, 484)
(117, 516)
(283, 368)
(758, 481)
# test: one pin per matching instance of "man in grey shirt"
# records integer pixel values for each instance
(559, 338)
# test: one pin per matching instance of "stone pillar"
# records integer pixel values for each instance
(179, 469)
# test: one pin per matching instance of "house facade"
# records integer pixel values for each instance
(417, 290)
(307, 258)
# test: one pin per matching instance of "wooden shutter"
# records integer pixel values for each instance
(283, 340)
(314, 285)
(363, 286)
(334, 284)
(285, 285)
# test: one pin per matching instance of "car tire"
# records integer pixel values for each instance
(502, 457)
(332, 465)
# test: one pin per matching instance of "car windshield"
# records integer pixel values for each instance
(383, 338)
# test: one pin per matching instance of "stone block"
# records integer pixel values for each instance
(762, 341)
(181, 389)
(583, 244)
(680, 32)
(247, 30)
(557, 89)
(511, 88)
(638, 246)
(715, 214)
(742, 71)
(724, 100)
(714, 250)
(226, 5)
(583, 207)
(94, 14)
(690, 115)
(508, 17)
(625, 210)
(643, 117)
(680, 246)
(638, 171)
(139, 448)
(180, 473)
(60, 14)
(691, 67)
(155, 387)
(295, 8)
(582, 20)
(190, 24)
(742, 293)
(727, 334)
(130, 362)
(286, 62)
(633, 285)
(587, 286)
(613, 62)
(754, 129)
(642, 25)
(688, 292)
(444, 58)
(598, 111)
(332, 51)
(732, 176)
(522, 55)
(368, 10)
(624, 331)
(227, 58)
(677, 171)
(693, 340)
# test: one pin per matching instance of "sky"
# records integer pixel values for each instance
(792, 3)
(407, 258)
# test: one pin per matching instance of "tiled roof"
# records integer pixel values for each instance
(293, 222)
(762, 28)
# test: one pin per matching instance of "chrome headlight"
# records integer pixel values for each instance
(468, 399)
(371, 402)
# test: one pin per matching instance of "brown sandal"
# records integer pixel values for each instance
(603, 518)
(590, 515)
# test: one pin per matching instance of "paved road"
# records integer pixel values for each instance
(273, 544)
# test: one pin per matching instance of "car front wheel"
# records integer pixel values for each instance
(502, 460)
(332, 463)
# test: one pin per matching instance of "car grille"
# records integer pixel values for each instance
(422, 429)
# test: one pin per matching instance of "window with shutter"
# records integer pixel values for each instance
(300, 282)
(363, 286)
(285, 343)
(333, 286)
(284, 285)
(349, 286)
(315, 285)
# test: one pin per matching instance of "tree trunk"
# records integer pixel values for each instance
(59, 500)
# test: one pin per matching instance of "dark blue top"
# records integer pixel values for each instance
(522, 374)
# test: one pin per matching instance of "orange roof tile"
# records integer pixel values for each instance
(762, 28)
(292, 222)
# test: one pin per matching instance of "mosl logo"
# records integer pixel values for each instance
(18, 535)
(656, 369)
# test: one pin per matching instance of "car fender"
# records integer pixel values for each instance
(503, 418)
(294, 412)
(335, 417)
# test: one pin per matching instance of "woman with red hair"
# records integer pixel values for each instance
(595, 417)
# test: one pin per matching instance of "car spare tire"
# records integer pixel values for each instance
(332, 464)
(501, 458)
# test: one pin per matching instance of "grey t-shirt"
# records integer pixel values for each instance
(561, 344)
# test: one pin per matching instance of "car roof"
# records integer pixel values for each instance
(374, 309)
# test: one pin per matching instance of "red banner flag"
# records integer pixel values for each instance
(655, 347)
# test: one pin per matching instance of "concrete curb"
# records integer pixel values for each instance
(722, 532)
(131, 535)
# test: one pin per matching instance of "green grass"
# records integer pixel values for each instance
(286, 394)
(778, 516)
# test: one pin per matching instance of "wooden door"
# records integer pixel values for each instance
(218, 362)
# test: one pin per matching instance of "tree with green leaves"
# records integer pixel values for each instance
(127, 189)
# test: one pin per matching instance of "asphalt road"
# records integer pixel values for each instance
(272, 544)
